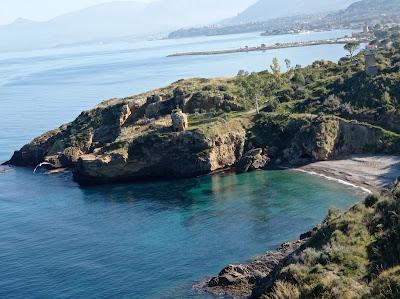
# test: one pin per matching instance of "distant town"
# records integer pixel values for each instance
(364, 36)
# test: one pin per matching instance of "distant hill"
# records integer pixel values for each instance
(265, 10)
(118, 19)
(272, 17)
(366, 10)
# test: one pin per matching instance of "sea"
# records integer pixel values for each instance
(152, 239)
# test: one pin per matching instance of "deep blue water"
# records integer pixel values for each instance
(144, 240)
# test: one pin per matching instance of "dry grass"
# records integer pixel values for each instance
(284, 290)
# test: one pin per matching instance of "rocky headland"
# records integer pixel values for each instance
(161, 134)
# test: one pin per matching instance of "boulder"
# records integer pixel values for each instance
(179, 121)
(156, 106)
(252, 160)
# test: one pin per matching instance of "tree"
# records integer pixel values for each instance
(276, 72)
(253, 88)
(351, 47)
(275, 67)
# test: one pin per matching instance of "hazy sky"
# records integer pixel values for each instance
(40, 10)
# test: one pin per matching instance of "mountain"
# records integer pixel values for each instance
(265, 10)
(368, 10)
(116, 20)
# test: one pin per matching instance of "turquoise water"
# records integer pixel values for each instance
(145, 240)
(148, 240)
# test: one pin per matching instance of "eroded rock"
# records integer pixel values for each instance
(179, 121)
(252, 160)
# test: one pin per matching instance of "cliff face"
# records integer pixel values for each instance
(134, 138)
(299, 139)
(169, 155)
(63, 146)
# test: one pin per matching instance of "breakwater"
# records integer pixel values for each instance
(246, 49)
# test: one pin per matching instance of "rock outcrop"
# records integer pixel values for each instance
(204, 101)
(252, 160)
(171, 155)
(63, 146)
(238, 281)
(179, 121)
(243, 280)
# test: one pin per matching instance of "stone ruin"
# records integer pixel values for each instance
(179, 121)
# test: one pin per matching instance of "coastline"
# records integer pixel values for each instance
(263, 48)
(321, 174)
(368, 173)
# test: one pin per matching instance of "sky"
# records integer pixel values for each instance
(41, 10)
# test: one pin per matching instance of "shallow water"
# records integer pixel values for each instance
(145, 240)
(148, 240)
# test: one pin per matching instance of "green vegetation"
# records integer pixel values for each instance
(351, 48)
(353, 255)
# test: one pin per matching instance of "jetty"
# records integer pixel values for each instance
(263, 47)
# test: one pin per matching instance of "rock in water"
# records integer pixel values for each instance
(3, 169)
(252, 160)
(179, 121)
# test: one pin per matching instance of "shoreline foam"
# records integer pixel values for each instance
(329, 178)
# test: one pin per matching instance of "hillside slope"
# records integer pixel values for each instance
(367, 10)
(265, 10)
(115, 20)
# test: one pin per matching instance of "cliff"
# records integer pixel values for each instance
(133, 138)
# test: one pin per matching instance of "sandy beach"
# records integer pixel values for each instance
(368, 172)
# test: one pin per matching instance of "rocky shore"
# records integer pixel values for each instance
(238, 281)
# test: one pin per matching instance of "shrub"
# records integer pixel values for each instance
(387, 285)
(371, 200)
(284, 290)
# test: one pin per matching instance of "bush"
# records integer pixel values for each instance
(284, 290)
(371, 200)
(387, 285)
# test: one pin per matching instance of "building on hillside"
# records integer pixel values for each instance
(371, 65)
(366, 33)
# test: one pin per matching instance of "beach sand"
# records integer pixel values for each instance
(370, 173)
